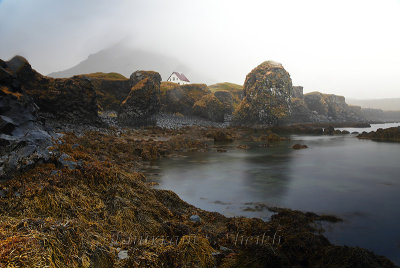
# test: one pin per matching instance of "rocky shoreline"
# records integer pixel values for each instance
(72, 193)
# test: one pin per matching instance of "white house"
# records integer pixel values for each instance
(178, 78)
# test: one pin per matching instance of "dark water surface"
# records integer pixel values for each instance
(357, 180)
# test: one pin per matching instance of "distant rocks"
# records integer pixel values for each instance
(267, 95)
(388, 134)
(143, 100)
(316, 107)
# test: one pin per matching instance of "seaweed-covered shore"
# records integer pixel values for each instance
(100, 211)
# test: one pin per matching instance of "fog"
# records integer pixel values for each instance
(349, 48)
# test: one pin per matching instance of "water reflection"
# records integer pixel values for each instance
(358, 180)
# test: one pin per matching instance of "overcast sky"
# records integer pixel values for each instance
(345, 47)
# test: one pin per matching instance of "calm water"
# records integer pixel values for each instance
(357, 180)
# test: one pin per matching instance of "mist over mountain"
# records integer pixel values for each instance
(125, 60)
(387, 104)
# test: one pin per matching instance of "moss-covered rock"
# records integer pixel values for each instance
(111, 89)
(267, 93)
(226, 98)
(143, 100)
(389, 134)
(235, 90)
(181, 98)
(210, 107)
(73, 99)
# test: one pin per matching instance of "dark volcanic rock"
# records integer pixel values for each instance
(23, 139)
(73, 99)
(143, 101)
(267, 92)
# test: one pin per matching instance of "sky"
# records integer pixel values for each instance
(344, 47)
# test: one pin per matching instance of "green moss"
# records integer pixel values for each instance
(107, 76)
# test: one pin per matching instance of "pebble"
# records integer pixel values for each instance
(195, 218)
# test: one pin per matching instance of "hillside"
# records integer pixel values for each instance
(392, 104)
(125, 60)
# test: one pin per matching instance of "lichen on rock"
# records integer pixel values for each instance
(267, 95)
(143, 100)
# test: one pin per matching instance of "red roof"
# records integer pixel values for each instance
(181, 76)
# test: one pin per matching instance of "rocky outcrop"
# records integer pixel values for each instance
(73, 99)
(23, 138)
(388, 134)
(181, 98)
(111, 89)
(267, 94)
(210, 107)
(316, 107)
(143, 100)
(235, 90)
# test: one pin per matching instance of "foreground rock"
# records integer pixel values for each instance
(267, 94)
(143, 101)
(23, 138)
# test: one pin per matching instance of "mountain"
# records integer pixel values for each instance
(125, 60)
(392, 104)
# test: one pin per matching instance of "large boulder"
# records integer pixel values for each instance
(210, 107)
(73, 99)
(23, 138)
(143, 100)
(181, 98)
(111, 89)
(267, 94)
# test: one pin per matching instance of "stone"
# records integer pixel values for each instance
(123, 254)
(267, 96)
(299, 146)
(64, 162)
(195, 218)
(330, 130)
(143, 100)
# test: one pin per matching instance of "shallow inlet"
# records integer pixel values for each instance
(357, 180)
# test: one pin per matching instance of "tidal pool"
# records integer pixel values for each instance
(357, 180)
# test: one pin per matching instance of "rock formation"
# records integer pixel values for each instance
(181, 98)
(111, 89)
(267, 94)
(210, 107)
(143, 100)
(73, 99)
(225, 97)
(23, 138)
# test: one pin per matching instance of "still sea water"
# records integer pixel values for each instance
(356, 180)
